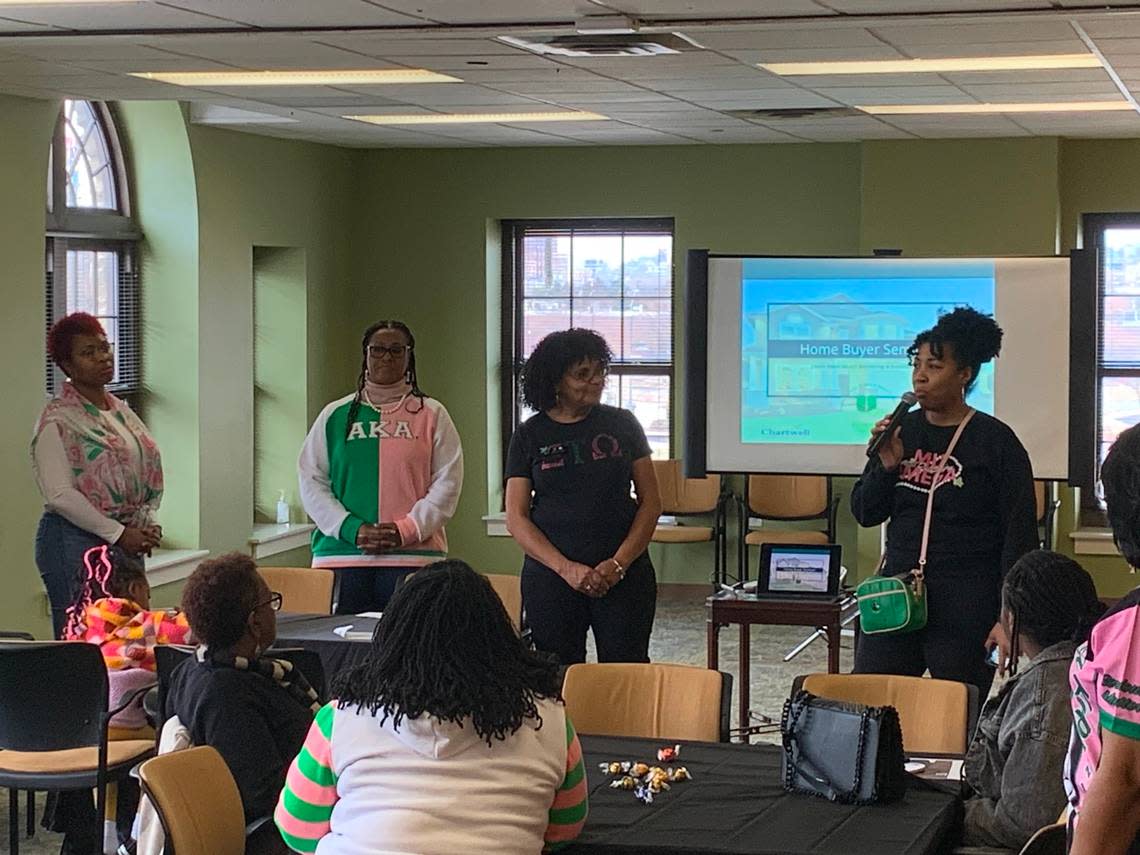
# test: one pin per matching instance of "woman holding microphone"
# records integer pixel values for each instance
(983, 514)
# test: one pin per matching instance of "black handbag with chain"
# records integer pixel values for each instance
(842, 752)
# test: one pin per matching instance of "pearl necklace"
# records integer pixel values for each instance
(395, 408)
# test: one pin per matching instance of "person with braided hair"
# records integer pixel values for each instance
(450, 737)
(380, 474)
(1013, 768)
(1102, 772)
(984, 513)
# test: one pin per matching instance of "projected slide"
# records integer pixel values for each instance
(823, 341)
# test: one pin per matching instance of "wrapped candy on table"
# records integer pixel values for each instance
(615, 768)
(623, 783)
(644, 793)
(639, 770)
(669, 753)
(679, 774)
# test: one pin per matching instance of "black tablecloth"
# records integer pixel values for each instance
(736, 804)
(315, 633)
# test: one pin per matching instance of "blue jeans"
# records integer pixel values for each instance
(367, 589)
(59, 556)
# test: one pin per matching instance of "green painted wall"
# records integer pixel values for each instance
(426, 251)
(26, 132)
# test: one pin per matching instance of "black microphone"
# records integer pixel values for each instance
(909, 399)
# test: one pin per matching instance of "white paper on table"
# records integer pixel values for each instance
(374, 615)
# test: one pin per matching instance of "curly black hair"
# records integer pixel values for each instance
(552, 357)
(446, 647)
(412, 378)
(975, 338)
(219, 597)
(1120, 477)
(1051, 598)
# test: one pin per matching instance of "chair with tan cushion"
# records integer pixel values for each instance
(687, 497)
(510, 592)
(937, 716)
(53, 725)
(652, 700)
(302, 589)
(786, 498)
(197, 801)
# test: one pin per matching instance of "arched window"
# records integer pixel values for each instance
(91, 260)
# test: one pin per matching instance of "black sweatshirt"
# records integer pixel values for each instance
(256, 725)
(984, 515)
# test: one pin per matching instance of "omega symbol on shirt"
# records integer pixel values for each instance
(381, 429)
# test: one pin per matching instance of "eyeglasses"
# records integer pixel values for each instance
(96, 350)
(588, 373)
(274, 602)
(379, 351)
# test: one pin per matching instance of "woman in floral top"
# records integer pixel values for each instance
(96, 464)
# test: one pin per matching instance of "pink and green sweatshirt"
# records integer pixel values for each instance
(404, 467)
(360, 787)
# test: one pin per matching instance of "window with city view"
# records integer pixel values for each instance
(612, 276)
(1117, 238)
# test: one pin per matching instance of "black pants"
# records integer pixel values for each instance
(73, 813)
(961, 613)
(367, 589)
(622, 620)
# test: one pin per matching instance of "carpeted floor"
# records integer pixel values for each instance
(678, 636)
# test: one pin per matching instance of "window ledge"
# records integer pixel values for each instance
(496, 525)
(1093, 541)
(273, 539)
(164, 566)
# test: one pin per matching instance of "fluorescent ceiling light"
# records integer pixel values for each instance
(473, 118)
(910, 66)
(1043, 107)
(326, 77)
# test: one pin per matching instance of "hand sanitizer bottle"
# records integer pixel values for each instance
(282, 509)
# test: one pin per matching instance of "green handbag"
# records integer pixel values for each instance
(897, 604)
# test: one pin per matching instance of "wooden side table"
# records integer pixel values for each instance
(724, 609)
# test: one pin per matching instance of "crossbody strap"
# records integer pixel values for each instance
(935, 483)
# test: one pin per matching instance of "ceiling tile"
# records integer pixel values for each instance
(490, 11)
(964, 35)
(743, 38)
(300, 13)
(712, 9)
(112, 16)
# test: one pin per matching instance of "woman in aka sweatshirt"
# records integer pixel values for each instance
(380, 474)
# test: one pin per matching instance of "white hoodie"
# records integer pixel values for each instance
(435, 788)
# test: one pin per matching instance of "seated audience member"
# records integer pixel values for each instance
(1102, 774)
(450, 737)
(254, 710)
(1013, 769)
(112, 609)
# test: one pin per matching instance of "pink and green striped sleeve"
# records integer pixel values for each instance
(569, 808)
(305, 809)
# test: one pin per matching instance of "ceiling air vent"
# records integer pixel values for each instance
(604, 44)
(795, 113)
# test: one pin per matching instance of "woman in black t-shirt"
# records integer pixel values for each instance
(984, 514)
(569, 506)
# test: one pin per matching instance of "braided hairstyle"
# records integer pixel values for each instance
(1120, 477)
(976, 339)
(354, 407)
(1050, 598)
(107, 571)
(446, 647)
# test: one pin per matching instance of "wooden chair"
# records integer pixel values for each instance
(785, 498)
(53, 726)
(686, 497)
(1045, 496)
(303, 589)
(648, 700)
(510, 592)
(937, 716)
(197, 802)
